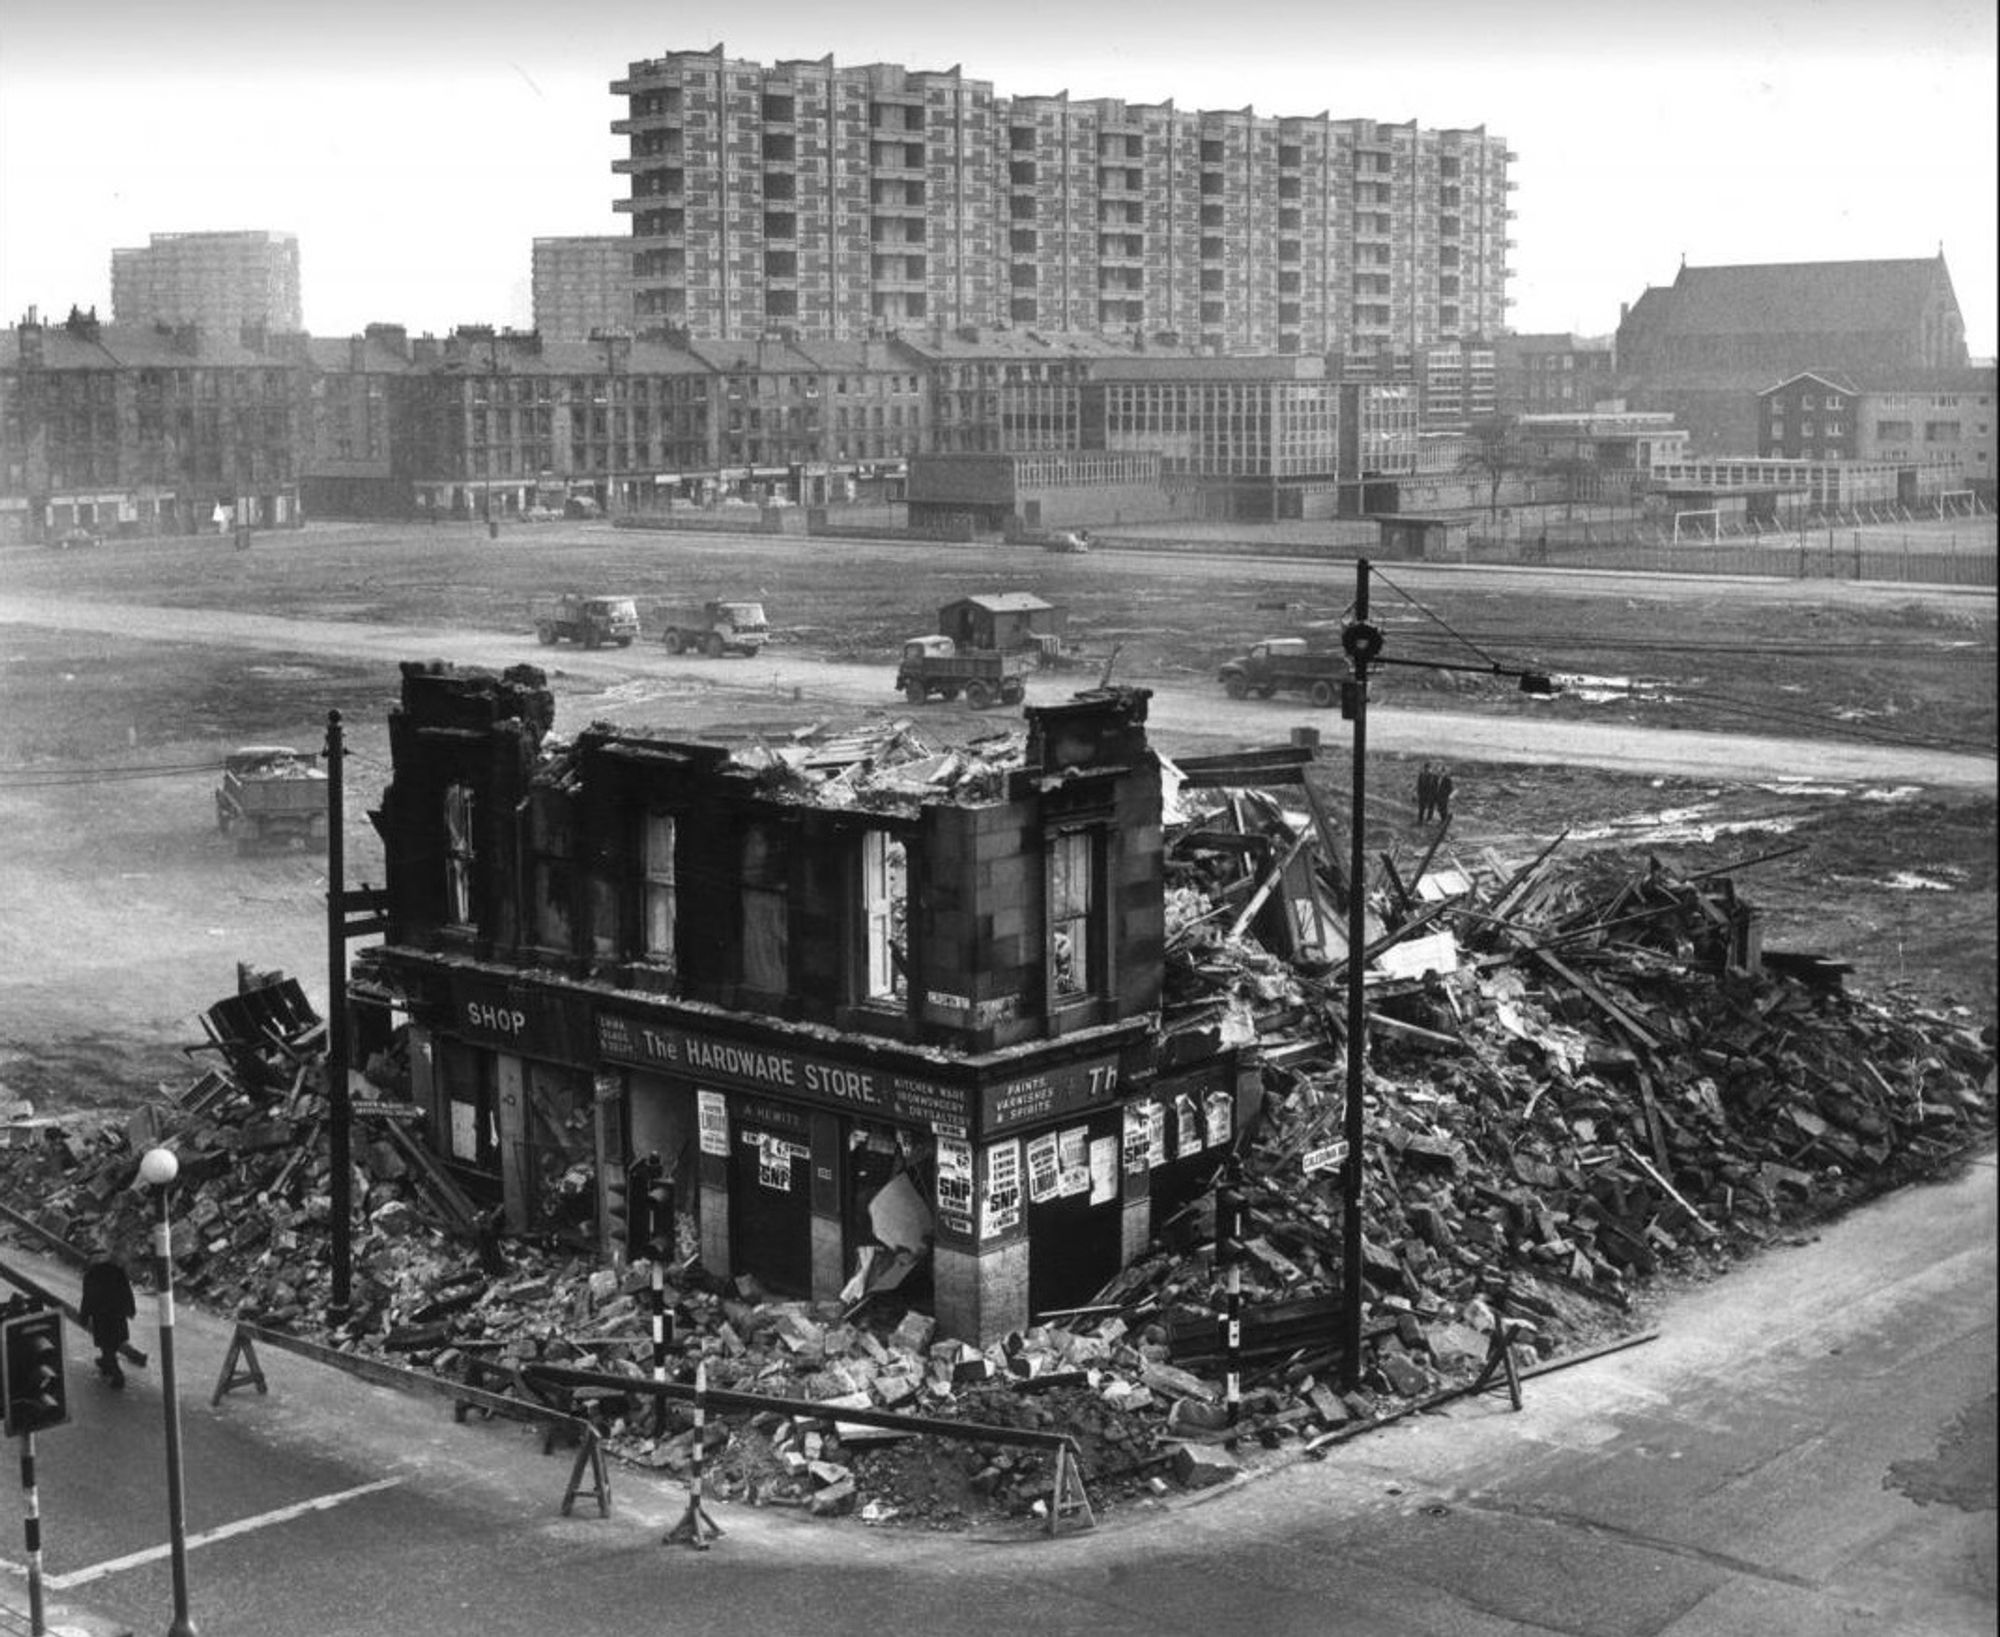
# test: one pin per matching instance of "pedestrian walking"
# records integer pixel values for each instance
(1426, 793)
(1441, 795)
(108, 1309)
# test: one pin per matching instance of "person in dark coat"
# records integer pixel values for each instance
(1441, 795)
(108, 1309)
(1426, 793)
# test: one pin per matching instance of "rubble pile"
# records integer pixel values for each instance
(1607, 1078)
(1575, 1078)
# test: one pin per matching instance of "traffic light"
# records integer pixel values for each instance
(660, 1216)
(1229, 1211)
(31, 1371)
(618, 1208)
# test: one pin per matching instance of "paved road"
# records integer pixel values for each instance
(1806, 1450)
(633, 683)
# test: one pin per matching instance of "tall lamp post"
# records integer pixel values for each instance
(1363, 642)
(157, 1170)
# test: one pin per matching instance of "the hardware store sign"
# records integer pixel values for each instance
(797, 1074)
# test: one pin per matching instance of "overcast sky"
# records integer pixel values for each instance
(417, 148)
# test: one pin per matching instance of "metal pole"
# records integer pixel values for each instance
(1357, 941)
(339, 1101)
(658, 1281)
(31, 1529)
(1229, 1243)
(163, 1248)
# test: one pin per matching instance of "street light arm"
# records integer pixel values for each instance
(1531, 681)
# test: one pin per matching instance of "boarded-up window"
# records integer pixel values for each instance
(764, 879)
(458, 854)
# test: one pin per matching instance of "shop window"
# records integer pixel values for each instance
(459, 855)
(1073, 952)
(471, 1106)
(884, 915)
(763, 884)
(657, 889)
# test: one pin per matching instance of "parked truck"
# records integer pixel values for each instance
(570, 616)
(716, 628)
(271, 796)
(1289, 663)
(936, 667)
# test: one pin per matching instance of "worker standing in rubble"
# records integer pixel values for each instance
(108, 1309)
(1426, 793)
(1441, 795)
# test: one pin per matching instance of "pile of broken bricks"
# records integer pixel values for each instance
(1595, 1076)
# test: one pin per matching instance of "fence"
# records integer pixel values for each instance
(1911, 558)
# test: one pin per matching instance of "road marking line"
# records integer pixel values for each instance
(242, 1526)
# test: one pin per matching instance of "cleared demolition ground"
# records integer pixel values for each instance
(1595, 1098)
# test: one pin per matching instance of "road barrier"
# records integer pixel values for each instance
(241, 1368)
(1067, 1500)
(546, 1387)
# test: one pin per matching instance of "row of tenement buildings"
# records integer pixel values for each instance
(147, 429)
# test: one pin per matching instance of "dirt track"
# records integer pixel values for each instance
(125, 912)
(644, 683)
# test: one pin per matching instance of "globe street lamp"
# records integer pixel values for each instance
(157, 1169)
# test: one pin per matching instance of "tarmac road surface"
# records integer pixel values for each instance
(645, 678)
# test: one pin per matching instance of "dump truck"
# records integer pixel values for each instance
(271, 796)
(936, 668)
(716, 628)
(1289, 663)
(593, 621)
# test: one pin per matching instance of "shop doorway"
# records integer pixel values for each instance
(770, 1208)
(891, 1179)
(1075, 1227)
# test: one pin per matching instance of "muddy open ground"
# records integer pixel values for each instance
(123, 911)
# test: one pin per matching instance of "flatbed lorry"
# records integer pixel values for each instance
(1287, 663)
(937, 668)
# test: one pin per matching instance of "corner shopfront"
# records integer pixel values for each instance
(1032, 1184)
(1032, 1177)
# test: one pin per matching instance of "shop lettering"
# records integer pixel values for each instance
(848, 1085)
(751, 1066)
(496, 1019)
(742, 1061)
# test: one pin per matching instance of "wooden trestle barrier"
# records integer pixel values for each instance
(1069, 1500)
(241, 1368)
(545, 1384)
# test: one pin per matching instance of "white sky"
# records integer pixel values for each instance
(417, 148)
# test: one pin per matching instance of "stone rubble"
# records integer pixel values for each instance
(1608, 1080)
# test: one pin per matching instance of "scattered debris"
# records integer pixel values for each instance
(1576, 1077)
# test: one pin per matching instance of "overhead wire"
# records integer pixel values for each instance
(1433, 615)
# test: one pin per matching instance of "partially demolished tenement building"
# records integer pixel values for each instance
(883, 1021)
